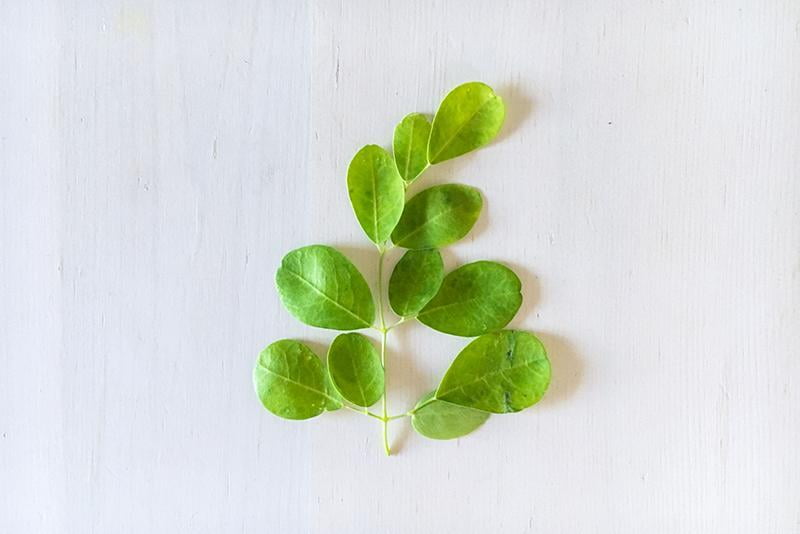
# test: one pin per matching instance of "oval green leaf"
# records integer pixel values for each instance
(437, 419)
(355, 369)
(410, 146)
(376, 192)
(415, 280)
(469, 117)
(438, 216)
(290, 381)
(501, 372)
(474, 299)
(320, 287)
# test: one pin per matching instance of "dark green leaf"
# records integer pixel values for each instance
(320, 287)
(376, 192)
(410, 146)
(438, 216)
(469, 117)
(437, 419)
(474, 299)
(415, 280)
(355, 369)
(290, 381)
(501, 372)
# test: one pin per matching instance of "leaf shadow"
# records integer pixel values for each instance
(406, 377)
(482, 224)
(530, 289)
(364, 257)
(567, 367)
(519, 106)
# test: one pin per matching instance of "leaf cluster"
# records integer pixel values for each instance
(500, 371)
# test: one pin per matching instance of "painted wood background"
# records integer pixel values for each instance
(157, 159)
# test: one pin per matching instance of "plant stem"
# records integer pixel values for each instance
(363, 411)
(384, 331)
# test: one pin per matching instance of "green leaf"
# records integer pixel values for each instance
(469, 117)
(290, 381)
(437, 419)
(355, 369)
(415, 280)
(438, 216)
(474, 299)
(320, 287)
(376, 192)
(410, 146)
(501, 372)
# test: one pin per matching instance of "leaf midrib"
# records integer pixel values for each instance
(330, 299)
(408, 152)
(465, 301)
(296, 383)
(376, 237)
(426, 223)
(485, 377)
(458, 131)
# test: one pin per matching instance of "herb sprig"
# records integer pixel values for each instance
(500, 371)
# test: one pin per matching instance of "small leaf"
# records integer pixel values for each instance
(290, 380)
(502, 372)
(438, 216)
(469, 117)
(437, 419)
(415, 280)
(474, 299)
(320, 287)
(355, 369)
(376, 192)
(410, 146)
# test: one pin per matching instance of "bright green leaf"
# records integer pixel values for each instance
(290, 381)
(501, 372)
(376, 192)
(469, 117)
(410, 146)
(355, 369)
(437, 419)
(415, 280)
(438, 216)
(320, 287)
(474, 299)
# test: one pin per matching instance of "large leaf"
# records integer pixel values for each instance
(474, 299)
(469, 117)
(320, 287)
(355, 369)
(415, 280)
(501, 372)
(376, 192)
(290, 381)
(438, 216)
(437, 419)
(410, 146)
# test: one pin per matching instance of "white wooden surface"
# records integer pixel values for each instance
(158, 158)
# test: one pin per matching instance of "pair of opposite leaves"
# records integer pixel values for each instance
(499, 372)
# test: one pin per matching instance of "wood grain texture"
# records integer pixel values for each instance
(157, 160)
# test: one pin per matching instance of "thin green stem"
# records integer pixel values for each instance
(362, 411)
(414, 410)
(399, 322)
(384, 331)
